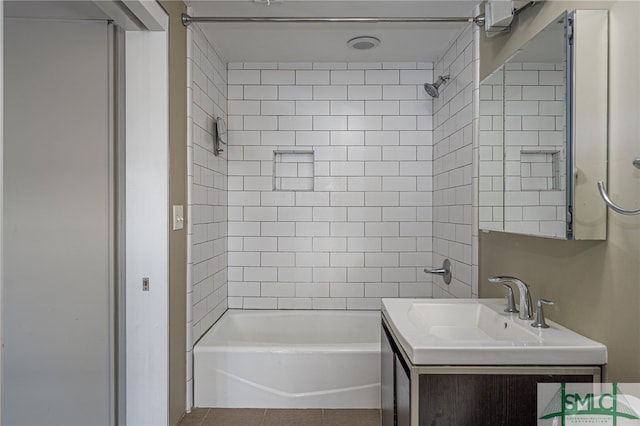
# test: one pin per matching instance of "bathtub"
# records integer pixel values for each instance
(289, 359)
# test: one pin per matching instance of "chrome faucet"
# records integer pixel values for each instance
(526, 310)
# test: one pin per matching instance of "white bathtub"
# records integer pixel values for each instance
(289, 359)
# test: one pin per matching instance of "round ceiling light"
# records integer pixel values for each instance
(363, 42)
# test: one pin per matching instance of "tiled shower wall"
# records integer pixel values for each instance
(365, 231)
(207, 192)
(453, 172)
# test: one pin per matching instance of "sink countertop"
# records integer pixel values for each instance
(479, 332)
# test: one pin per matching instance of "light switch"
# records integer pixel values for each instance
(178, 217)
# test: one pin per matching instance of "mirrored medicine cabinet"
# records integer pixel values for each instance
(543, 133)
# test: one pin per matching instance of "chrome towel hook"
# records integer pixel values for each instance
(616, 208)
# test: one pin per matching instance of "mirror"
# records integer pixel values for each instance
(543, 130)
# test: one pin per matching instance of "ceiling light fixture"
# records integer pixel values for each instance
(363, 42)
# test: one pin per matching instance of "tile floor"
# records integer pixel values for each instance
(274, 417)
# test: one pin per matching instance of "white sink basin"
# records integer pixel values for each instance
(479, 332)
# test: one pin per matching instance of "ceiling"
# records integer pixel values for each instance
(326, 42)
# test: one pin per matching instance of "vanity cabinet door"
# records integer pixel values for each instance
(388, 402)
(403, 395)
(484, 399)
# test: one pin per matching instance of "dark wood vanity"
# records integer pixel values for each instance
(461, 395)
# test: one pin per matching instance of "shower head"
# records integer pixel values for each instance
(432, 89)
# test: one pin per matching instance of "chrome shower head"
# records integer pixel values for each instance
(432, 89)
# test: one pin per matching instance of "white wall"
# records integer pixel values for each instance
(207, 192)
(365, 232)
(453, 167)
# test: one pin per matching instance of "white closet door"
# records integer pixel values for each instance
(57, 224)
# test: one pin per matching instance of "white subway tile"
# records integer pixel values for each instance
(277, 108)
(347, 168)
(294, 244)
(329, 214)
(347, 77)
(344, 289)
(261, 213)
(260, 274)
(367, 275)
(329, 92)
(295, 65)
(260, 123)
(312, 108)
(372, 199)
(347, 107)
(361, 153)
(261, 244)
(401, 122)
(370, 92)
(381, 168)
(278, 77)
(364, 123)
(366, 304)
(278, 137)
(312, 259)
(295, 274)
(329, 123)
(324, 244)
(294, 214)
(260, 303)
(295, 123)
(294, 303)
(381, 260)
(381, 229)
(382, 107)
(399, 274)
(381, 290)
(243, 77)
(277, 259)
(365, 183)
(295, 93)
(258, 92)
(382, 77)
(312, 229)
(277, 198)
(329, 303)
(314, 289)
(312, 77)
(329, 275)
(347, 260)
(347, 137)
(347, 198)
(277, 229)
(244, 107)
(347, 229)
(382, 138)
(364, 244)
(312, 138)
(399, 92)
(243, 258)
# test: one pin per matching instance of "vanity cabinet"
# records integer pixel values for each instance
(461, 395)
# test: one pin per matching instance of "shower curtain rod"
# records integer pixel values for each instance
(187, 19)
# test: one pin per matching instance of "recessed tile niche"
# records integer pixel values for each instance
(293, 170)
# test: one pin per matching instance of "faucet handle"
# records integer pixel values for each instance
(511, 301)
(540, 321)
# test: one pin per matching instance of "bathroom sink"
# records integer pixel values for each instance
(479, 332)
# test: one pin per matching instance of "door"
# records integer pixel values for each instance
(58, 224)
